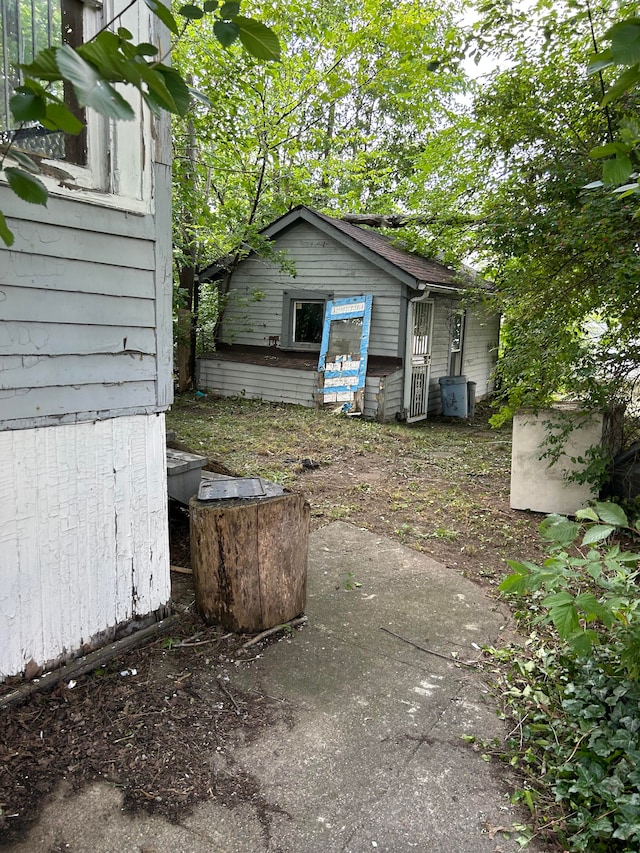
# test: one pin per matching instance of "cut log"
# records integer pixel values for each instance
(249, 559)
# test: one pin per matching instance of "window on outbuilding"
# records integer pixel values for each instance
(303, 319)
(27, 27)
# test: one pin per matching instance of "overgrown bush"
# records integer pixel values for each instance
(573, 692)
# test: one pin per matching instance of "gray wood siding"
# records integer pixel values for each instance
(372, 398)
(481, 350)
(383, 397)
(273, 384)
(393, 390)
(297, 387)
(322, 264)
(84, 320)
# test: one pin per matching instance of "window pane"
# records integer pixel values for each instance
(456, 333)
(308, 318)
(345, 338)
(26, 27)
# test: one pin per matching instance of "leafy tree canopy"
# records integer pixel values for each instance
(564, 258)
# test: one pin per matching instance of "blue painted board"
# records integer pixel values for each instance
(344, 348)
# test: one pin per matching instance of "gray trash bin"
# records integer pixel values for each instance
(453, 393)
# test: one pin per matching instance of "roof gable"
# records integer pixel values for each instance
(407, 267)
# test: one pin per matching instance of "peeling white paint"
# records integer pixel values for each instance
(83, 534)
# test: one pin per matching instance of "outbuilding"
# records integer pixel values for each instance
(404, 322)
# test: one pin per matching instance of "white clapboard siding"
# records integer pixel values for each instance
(83, 291)
(83, 535)
(480, 350)
(322, 264)
(257, 382)
(28, 338)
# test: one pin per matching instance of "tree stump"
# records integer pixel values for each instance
(249, 560)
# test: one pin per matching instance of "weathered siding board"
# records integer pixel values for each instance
(24, 403)
(256, 382)
(392, 391)
(81, 215)
(27, 338)
(39, 371)
(52, 272)
(372, 398)
(65, 242)
(30, 304)
(163, 271)
(322, 264)
(480, 352)
(83, 537)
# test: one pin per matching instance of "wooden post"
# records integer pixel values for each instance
(185, 378)
(249, 560)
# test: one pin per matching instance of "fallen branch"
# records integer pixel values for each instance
(295, 623)
(401, 220)
(430, 651)
(229, 697)
(89, 662)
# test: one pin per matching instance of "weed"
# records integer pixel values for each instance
(339, 512)
(351, 582)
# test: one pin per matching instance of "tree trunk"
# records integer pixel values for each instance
(185, 377)
(249, 560)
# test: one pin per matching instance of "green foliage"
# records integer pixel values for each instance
(623, 53)
(573, 692)
(574, 738)
(93, 69)
(352, 119)
(587, 586)
(562, 256)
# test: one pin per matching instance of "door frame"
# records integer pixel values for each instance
(417, 363)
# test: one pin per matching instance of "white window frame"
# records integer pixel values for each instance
(117, 173)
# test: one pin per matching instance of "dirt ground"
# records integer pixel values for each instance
(442, 488)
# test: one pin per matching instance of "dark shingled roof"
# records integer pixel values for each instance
(412, 268)
(422, 269)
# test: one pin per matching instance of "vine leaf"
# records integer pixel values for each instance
(5, 232)
(26, 186)
(91, 89)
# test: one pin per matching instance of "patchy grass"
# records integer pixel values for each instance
(439, 486)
